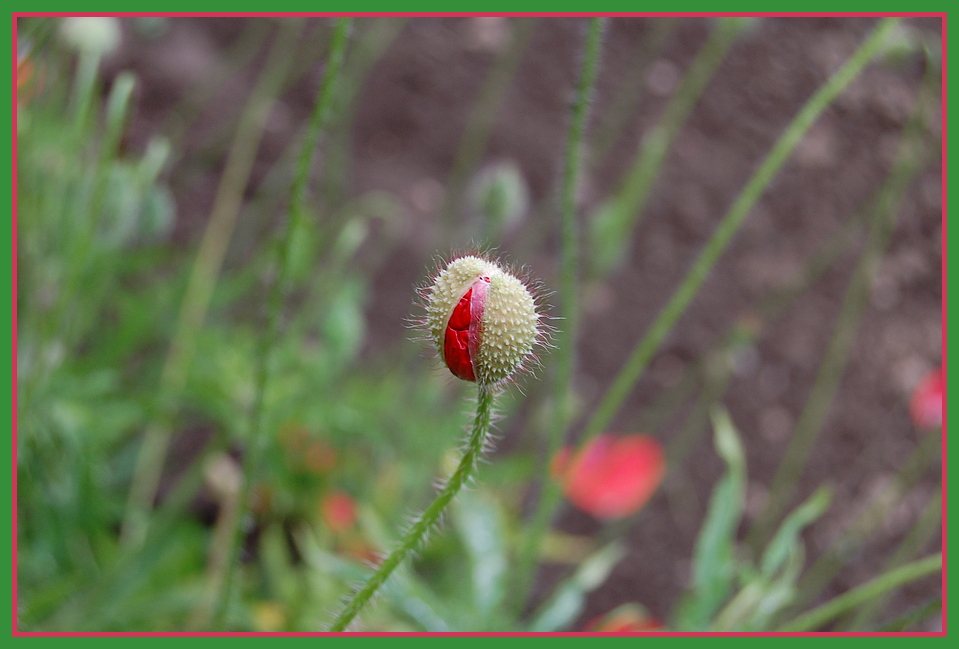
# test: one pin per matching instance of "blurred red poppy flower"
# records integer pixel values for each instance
(925, 406)
(339, 511)
(611, 476)
(628, 618)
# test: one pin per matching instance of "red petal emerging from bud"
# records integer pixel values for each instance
(925, 406)
(463, 331)
(612, 477)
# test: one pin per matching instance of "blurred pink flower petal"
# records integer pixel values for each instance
(611, 476)
(925, 406)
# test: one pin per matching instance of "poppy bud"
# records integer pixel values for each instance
(482, 319)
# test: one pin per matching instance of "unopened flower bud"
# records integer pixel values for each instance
(482, 319)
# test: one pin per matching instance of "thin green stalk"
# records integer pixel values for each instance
(831, 369)
(630, 91)
(206, 147)
(610, 227)
(318, 120)
(369, 46)
(85, 84)
(871, 589)
(730, 224)
(483, 116)
(929, 521)
(568, 297)
(118, 108)
(647, 346)
(569, 261)
(239, 54)
(714, 366)
(428, 520)
(253, 456)
(199, 290)
(743, 332)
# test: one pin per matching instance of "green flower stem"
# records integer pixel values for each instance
(623, 107)
(482, 118)
(826, 384)
(569, 302)
(644, 350)
(319, 118)
(430, 517)
(199, 290)
(85, 84)
(647, 346)
(118, 111)
(255, 441)
(871, 589)
(712, 368)
(656, 143)
(373, 37)
(191, 104)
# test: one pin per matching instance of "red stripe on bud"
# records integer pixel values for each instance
(463, 331)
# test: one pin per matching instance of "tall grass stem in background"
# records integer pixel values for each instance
(831, 369)
(203, 278)
(757, 184)
(275, 301)
(482, 118)
(611, 225)
(689, 288)
(418, 531)
(623, 106)
(367, 49)
(565, 354)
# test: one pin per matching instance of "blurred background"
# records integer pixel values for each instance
(155, 159)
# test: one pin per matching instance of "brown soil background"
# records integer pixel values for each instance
(409, 119)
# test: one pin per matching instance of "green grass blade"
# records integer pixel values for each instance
(612, 222)
(830, 373)
(569, 305)
(643, 352)
(714, 567)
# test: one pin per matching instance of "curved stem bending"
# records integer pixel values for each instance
(429, 518)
